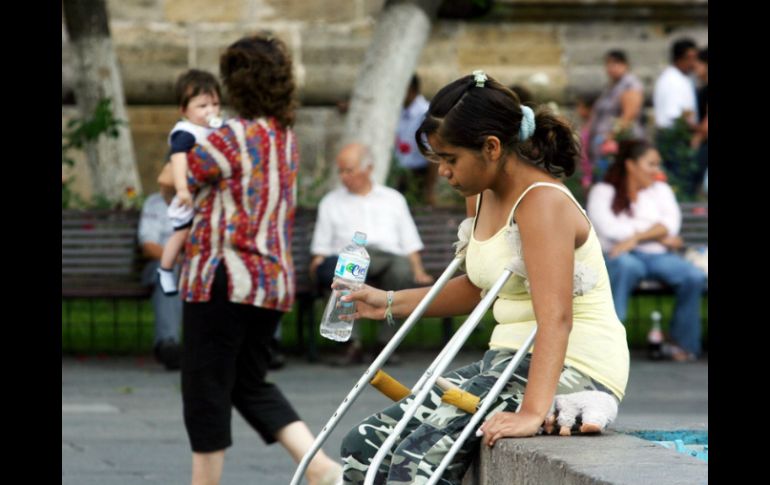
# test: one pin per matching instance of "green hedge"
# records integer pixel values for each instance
(116, 328)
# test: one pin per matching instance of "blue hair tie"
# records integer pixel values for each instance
(527, 123)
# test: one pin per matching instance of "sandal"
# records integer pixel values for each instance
(675, 353)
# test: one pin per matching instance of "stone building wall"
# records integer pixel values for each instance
(553, 47)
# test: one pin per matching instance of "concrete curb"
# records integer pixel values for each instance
(612, 458)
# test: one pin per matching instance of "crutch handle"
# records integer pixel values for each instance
(461, 399)
(457, 397)
(389, 386)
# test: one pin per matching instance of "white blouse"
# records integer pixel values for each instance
(655, 204)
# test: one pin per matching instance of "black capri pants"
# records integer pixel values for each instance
(224, 364)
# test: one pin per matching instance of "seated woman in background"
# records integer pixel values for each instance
(637, 219)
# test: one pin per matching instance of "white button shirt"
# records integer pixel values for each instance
(382, 214)
(674, 93)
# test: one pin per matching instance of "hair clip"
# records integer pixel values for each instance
(480, 78)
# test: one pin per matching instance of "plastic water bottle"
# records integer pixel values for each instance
(655, 338)
(349, 275)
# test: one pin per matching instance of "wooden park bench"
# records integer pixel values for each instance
(101, 260)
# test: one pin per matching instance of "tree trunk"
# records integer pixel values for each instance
(378, 96)
(111, 160)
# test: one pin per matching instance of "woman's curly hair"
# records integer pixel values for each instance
(257, 73)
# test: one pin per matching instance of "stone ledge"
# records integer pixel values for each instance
(612, 458)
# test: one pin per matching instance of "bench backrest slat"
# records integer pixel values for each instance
(100, 254)
(99, 248)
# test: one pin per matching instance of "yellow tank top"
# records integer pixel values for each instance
(597, 343)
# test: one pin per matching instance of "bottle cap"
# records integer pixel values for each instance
(359, 238)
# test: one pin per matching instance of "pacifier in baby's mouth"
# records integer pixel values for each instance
(214, 121)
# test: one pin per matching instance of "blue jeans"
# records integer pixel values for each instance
(167, 309)
(628, 269)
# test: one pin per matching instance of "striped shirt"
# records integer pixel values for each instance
(244, 179)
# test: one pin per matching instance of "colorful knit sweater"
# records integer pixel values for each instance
(244, 178)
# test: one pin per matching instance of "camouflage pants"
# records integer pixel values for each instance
(432, 431)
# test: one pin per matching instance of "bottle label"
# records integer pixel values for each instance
(351, 268)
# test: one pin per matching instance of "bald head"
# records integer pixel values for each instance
(354, 166)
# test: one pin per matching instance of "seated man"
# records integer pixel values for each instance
(154, 229)
(380, 212)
